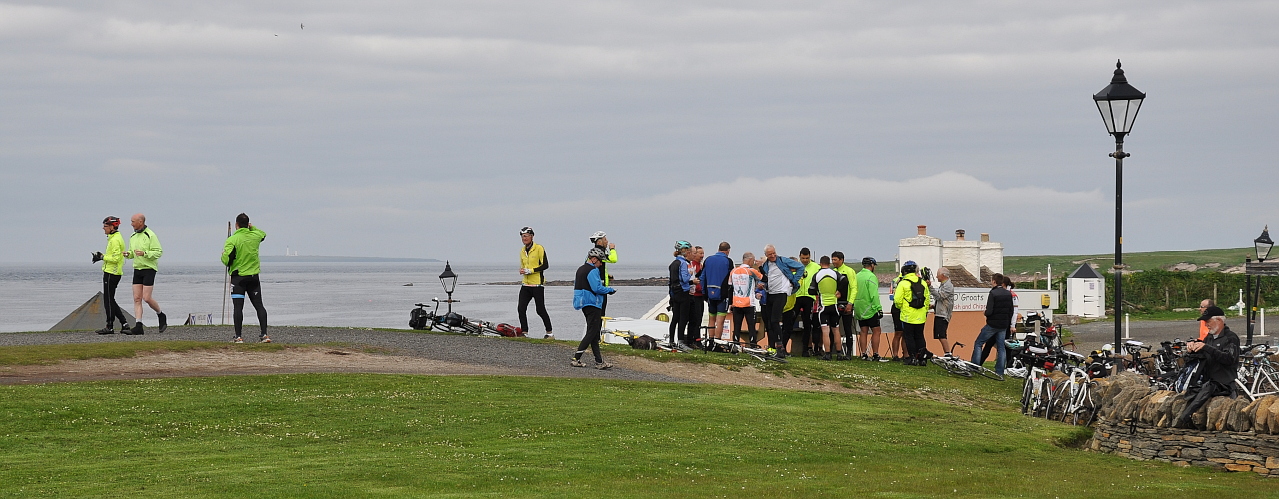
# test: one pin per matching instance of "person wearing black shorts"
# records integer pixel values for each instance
(145, 251)
(240, 255)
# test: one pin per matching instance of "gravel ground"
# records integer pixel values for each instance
(508, 356)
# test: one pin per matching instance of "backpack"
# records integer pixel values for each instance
(916, 294)
(645, 342)
(509, 330)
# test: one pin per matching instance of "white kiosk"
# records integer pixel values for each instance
(1086, 292)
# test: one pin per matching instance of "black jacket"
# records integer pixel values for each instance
(999, 308)
(1219, 357)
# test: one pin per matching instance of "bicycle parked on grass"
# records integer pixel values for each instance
(960, 367)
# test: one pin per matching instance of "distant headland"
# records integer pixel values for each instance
(343, 259)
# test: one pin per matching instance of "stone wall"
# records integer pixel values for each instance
(1230, 434)
(1226, 450)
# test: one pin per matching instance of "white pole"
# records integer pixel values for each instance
(1050, 276)
(1261, 322)
(1127, 336)
(1241, 304)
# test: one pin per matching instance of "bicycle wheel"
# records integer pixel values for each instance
(1027, 395)
(982, 370)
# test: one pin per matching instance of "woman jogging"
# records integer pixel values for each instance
(112, 269)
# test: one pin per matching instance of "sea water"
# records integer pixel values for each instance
(34, 297)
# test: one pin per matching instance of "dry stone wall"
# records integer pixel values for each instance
(1232, 434)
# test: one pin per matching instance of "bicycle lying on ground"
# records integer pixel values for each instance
(422, 319)
(960, 367)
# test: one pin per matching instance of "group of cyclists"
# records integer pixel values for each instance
(822, 308)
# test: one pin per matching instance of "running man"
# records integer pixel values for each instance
(600, 240)
(240, 255)
(588, 296)
(144, 250)
(532, 263)
(867, 308)
(112, 269)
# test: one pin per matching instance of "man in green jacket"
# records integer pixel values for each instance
(144, 250)
(867, 308)
(240, 255)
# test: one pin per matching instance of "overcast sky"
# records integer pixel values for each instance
(437, 129)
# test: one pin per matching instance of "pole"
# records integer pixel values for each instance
(226, 280)
(1119, 156)
(1247, 300)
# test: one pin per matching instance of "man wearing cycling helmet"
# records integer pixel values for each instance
(600, 240)
(112, 268)
(681, 283)
(532, 263)
(588, 296)
(867, 309)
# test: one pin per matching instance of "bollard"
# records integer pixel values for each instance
(1261, 323)
(1127, 335)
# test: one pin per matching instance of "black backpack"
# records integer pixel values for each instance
(916, 294)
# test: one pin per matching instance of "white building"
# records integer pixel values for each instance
(979, 259)
(1086, 292)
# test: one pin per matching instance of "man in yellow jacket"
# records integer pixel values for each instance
(144, 250)
(911, 297)
(532, 263)
(112, 269)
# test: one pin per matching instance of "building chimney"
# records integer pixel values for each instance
(959, 235)
(923, 229)
(985, 238)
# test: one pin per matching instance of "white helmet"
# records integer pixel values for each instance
(598, 235)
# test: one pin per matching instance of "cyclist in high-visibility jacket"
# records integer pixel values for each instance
(532, 263)
(240, 255)
(832, 289)
(112, 269)
(913, 318)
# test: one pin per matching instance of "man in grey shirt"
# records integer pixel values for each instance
(943, 304)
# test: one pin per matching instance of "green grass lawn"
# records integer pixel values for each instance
(344, 435)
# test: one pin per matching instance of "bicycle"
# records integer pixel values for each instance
(1080, 403)
(1256, 375)
(960, 367)
(1037, 393)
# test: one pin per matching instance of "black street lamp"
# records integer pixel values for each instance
(1262, 245)
(449, 280)
(1119, 103)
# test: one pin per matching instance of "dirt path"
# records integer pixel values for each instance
(318, 359)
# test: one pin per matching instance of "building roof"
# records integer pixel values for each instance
(962, 278)
(1085, 271)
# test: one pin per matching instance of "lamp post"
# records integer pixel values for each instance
(1262, 245)
(1118, 104)
(449, 280)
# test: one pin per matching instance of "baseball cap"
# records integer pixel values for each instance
(1211, 312)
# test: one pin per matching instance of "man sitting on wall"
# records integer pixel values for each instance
(1218, 357)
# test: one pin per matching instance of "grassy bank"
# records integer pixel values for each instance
(1149, 260)
(331, 435)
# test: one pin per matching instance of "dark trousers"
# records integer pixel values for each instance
(1200, 396)
(773, 318)
(538, 295)
(748, 314)
(696, 307)
(594, 321)
(848, 328)
(913, 335)
(807, 319)
(680, 305)
(109, 283)
(250, 286)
